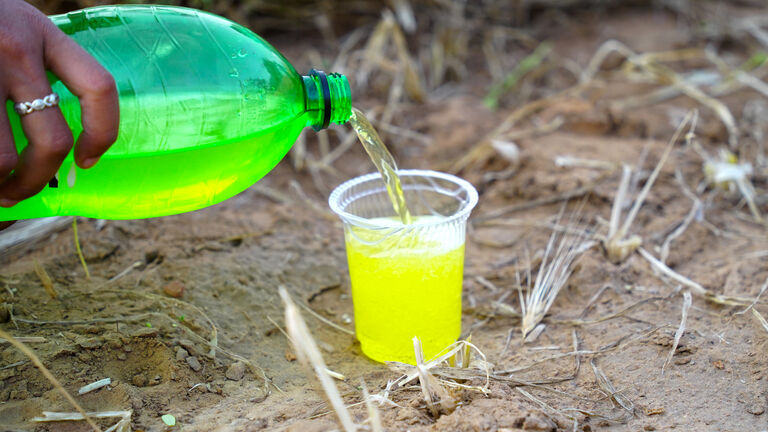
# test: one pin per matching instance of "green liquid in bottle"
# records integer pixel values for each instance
(207, 108)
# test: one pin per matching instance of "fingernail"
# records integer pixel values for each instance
(5, 202)
(90, 162)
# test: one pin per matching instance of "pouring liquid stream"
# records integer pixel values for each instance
(385, 163)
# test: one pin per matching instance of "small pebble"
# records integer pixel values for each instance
(90, 343)
(289, 355)
(174, 289)
(235, 371)
(181, 354)
(535, 422)
(194, 364)
(189, 346)
(649, 411)
(649, 427)
(756, 409)
(121, 356)
(139, 380)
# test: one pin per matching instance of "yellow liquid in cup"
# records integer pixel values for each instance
(406, 285)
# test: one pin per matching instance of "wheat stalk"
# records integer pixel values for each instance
(554, 271)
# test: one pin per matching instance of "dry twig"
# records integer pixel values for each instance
(124, 425)
(309, 354)
(609, 390)
(694, 286)
(616, 244)
(687, 301)
(77, 248)
(44, 279)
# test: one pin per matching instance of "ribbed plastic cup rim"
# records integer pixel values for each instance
(334, 200)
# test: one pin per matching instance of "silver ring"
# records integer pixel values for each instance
(24, 108)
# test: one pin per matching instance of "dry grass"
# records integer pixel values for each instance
(374, 417)
(616, 244)
(687, 302)
(49, 376)
(309, 355)
(554, 271)
(697, 288)
(616, 397)
(45, 280)
(760, 319)
(448, 370)
(77, 248)
(123, 425)
(438, 400)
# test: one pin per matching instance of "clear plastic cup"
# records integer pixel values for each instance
(406, 279)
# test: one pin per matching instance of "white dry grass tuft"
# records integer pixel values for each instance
(554, 271)
(373, 413)
(435, 395)
(448, 365)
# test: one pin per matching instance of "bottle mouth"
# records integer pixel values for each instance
(323, 78)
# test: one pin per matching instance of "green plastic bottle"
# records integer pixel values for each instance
(207, 108)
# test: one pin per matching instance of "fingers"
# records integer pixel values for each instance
(8, 154)
(50, 140)
(95, 87)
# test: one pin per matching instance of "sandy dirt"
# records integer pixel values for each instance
(232, 258)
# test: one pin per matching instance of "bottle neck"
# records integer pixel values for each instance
(327, 99)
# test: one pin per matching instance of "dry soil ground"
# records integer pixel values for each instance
(232, 258)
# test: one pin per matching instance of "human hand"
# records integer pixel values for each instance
(29, 44)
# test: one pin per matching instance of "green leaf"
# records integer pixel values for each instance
(526, 65)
